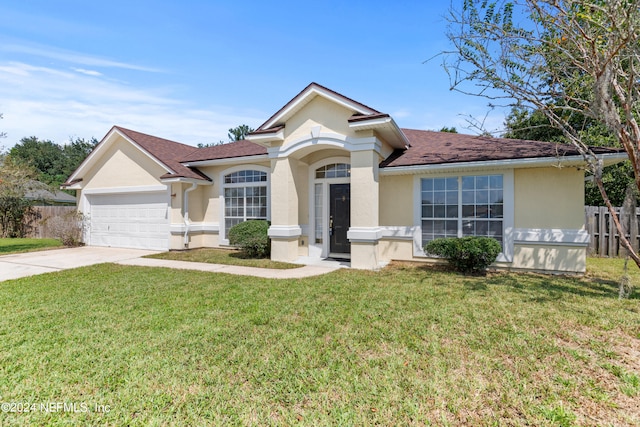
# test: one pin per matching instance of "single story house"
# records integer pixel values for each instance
(337, 178)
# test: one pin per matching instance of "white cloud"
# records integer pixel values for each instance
(57, 105)
(69, 56)
(87, 72)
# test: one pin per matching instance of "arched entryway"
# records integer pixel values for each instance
(330, 208)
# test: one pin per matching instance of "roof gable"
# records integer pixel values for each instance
(164, 152)
(307, 95)
(167, 152)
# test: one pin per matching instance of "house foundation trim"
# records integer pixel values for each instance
(209, 228)
(559, 237)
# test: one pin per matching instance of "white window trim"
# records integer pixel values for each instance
(508, 210)
(316, 249)
(224, 240)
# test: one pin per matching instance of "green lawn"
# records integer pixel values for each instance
(11, 246)
(222, 256)
(404, 346)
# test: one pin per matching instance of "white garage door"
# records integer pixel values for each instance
(135, 220)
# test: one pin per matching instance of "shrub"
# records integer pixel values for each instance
(17, 216)
(251, 236)
(469, 255)
(68, 228)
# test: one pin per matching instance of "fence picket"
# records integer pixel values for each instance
(41, 230)
(605, 240)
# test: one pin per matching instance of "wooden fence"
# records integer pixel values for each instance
(40, 228)
(605, 240)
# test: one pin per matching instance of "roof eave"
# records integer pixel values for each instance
(180, 179)
(386, 126)
(265, 139)
(535, 162)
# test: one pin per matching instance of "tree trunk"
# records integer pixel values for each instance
(614, 216)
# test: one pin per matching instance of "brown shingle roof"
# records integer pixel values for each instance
(241, 148)
(430, 148)
(167, 152)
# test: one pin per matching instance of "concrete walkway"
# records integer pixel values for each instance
(267, 273)
(27, 264)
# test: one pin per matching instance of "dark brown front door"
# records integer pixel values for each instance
(339, 218)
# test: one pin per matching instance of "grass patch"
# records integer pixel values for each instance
(222, 256)
(404, 346)
(612, 269)
(12, 246)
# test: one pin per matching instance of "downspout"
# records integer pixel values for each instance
(187, 222)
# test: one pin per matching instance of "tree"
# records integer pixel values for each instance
(45, 156)
(564, 58)
(75, 152)
(451, 129)
(53, 163)
(210, 144)
(2, 134)
(239, 133)
(16, 180)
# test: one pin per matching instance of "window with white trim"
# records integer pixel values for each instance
(334, 170)
(462, 206)
(245, 197)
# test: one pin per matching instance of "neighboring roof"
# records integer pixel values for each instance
(430, 148)
(241, 148)
(312, 90)
(50, 196)
(167, 152)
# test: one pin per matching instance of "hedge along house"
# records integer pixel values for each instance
(337, 178)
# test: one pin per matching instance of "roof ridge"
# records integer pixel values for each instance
(125, 130)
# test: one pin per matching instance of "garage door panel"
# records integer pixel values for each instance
(137, 220)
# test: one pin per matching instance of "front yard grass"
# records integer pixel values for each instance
(222, 256)
(404, 346)
(16, 245)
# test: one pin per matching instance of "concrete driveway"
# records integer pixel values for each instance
(32, 263)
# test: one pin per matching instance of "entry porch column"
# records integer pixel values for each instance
(364, 232)
(285, 230)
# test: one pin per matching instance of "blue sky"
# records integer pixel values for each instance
(190, 70)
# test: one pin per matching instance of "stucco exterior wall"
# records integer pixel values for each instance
(550, 258)
(302, 188)
(322, 154)
(364, 189)
(121, 156)
(175, 214)
(549, 198)
(397, 249)
(396, 200)
(318, 112)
